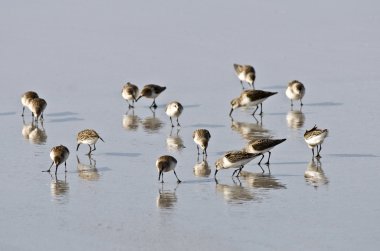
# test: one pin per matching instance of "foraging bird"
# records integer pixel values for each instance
(295, 91)
(89, 137)
(37, 107)
(262, 146)
(26, 98)
(130, 93)
(245, 73)
(251, 98)
(234, 159)
(201, 138)
(151, 91)
(174, 109)
(314, 138)
(166, 163)
(59, 155)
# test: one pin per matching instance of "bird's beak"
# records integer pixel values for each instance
(138, 98)
(232, 109)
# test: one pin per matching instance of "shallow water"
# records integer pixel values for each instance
(77, 56)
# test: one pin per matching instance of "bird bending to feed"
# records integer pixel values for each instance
(251, 98)
(201, 138)
(26, 98)
(314, 138)
(174, 109)
(88, 137)
(234, 159)
(245, 73)
(262, 146)
(37, 106)
(295, 91)
(151, 91)
(166, 163)
(130, 93)
(59, 155)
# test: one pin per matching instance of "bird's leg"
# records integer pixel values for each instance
(56, 168)
(159, 175)
(257, 107)
(318, 151)
(261, 167)
(178, 122)
(238, 174)
(291, 102)
(267, 163)
(261, 159)
(261, 109)
(90, 150)
(171, 121)
(242, 86)
(49, 168)
(312, 150)
(23, 109)
(178, 180)
(198, 149)
(301, 102)
(94, 147)
(65, 167)
(234, 172)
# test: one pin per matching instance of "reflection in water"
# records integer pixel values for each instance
(131, 121)
(33, 133)
(88, 171)
(166, 199)
(314, 174)
(250, 131)
(260, 180)
(235, 194)
(174, 143)
(152, 124)
(295, 119)
(59, 189)
(202, 169)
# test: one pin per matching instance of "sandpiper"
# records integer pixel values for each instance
(59, 155)
(151, 91)
(251, 98)
(26, 98)
(89, 137)
(295, 91)
(166, 163)
(246, 73)
(315, 137)
(201, 138)
(37, 106)
(262, 146)
(174, 109)
(234, 159)
(130, 93)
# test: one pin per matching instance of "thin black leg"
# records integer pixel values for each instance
(171, 121)
(257, 107)
(23, 109)
(198, 149)
(261, 109)
(90, 150)
(261, 159)
(178, 180)
(261, 168)
(178, 122)
(268, 158)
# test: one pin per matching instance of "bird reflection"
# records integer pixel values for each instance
(260, 180)
(236, 193)
(131, 121)
(152, 124)
(88, 171)
(174, 142)
(295, 119)
(59, 188)
(314, 174)
(250, 131)
(166, 199)
(202, 169)
(34, 133)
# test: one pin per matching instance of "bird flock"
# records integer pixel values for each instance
(235, 159)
